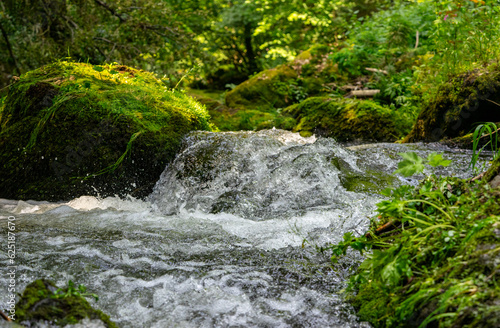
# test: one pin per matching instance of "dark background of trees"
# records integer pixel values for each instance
(228, 40)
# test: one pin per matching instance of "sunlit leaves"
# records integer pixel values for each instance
(435, 159)
(412, 164)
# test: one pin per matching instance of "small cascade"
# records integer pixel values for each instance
(227, 238)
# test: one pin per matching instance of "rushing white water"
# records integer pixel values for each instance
(226, 238)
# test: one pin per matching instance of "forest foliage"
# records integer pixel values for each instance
(171, 36)
(413, 45)
(168, 36)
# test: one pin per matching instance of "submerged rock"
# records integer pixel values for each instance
(348, 119)
(465, 100)
(72, 129)
(39, 304)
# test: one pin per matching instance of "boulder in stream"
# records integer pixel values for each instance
(72, 129)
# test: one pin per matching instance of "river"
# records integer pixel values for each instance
(228, 237)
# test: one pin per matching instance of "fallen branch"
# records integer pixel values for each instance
(4, 316)
(478, 177)
(389, 226)
(362, 93)
(376, 70)
(348, 87)
(491, 101)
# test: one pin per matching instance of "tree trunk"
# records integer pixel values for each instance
(250, 54)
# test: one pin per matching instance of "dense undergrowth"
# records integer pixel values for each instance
(410, 52)
(433, 257)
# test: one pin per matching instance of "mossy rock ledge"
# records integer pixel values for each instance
(458, 105)
(287, 84)
(38, 304)
(348, 120)
(71, 129)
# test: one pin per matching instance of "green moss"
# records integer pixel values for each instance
(465, 99)
(438, 266)
(371, 181)
(493, 171)
(114, 128)
(38, 304)
(366, 180)
(284, 85)
(230, 119)
(266, 89)
(371, 303)
(348, 119)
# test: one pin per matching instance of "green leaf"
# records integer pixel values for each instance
(113, 72)
(412, 164)
(98, 68)
(411, 156)
(436, 159)
(391, 208)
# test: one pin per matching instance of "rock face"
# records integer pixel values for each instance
(70, 129)
(39, 304)
(466, 99)
(348, 119)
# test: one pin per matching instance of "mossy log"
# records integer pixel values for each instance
(73, 129)
(492, 175)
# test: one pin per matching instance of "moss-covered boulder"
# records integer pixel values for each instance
(458, 104)
(348, 119)
(287, 84)
(40, 304)
(69, 129)
(266, 89)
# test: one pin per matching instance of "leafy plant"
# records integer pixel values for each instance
(423, 263)
(72, 290)
(491, 129)
(414, 164)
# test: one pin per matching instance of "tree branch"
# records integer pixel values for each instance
(9, 48)
(111, 10)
